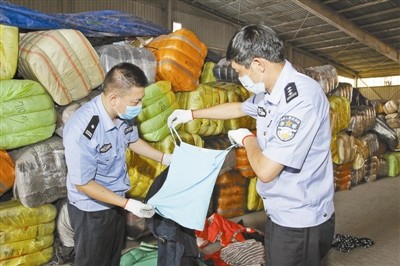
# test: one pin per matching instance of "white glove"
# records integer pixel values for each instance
(237, 136)
(179, 116)
(139, 209)
(166, 159)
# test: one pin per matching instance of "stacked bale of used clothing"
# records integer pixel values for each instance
(27, 233)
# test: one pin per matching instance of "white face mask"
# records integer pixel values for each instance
(250, 85)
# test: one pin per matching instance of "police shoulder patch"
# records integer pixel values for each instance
(291, 91)
(287, 127)
(91, 127)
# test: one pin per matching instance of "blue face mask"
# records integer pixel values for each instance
(130, 111)
(250, 85)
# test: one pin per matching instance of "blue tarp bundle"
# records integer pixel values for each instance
(107, 23)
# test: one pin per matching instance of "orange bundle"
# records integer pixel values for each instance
(342, 176)
(243, 164)
(180, 57)
(230, 195)
(7, 172)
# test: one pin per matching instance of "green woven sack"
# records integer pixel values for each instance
(393, 160)
(27, 113)
(158, 103)
(145, 255)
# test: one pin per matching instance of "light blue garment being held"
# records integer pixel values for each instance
(185, 195)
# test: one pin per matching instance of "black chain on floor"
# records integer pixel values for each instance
(345, 243)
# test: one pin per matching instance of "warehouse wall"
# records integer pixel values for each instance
(210, 30)
(381, 93)
(300, 59)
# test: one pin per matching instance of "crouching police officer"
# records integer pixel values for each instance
(95, 139)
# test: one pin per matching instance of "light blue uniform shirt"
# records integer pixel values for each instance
(293, 129)
(95, 150)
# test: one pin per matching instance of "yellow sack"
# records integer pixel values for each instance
(254, 201)
(207, 75)
(32, 259)
(204, 96)
(8, 51)
(341, 106)
(24, 247)
(235, 93)
(343, 148)
(15, 215)
(27, 232)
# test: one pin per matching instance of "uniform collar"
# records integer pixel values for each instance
(281, 82)
(105, 117)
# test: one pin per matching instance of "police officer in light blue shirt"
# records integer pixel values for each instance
(293, 130)
(291, 152)
(95, 139)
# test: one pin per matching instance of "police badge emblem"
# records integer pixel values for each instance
(261, 111)
(105, 148)
(287, 127)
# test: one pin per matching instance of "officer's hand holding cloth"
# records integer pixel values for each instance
(141, 209)
(179, 116)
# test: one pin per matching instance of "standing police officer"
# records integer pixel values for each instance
(95, 139)
(291, 153)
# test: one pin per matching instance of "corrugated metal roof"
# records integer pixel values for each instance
(359, 37)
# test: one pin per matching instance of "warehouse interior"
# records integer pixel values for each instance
(358, 40)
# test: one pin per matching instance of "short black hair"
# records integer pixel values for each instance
(123, 77)
(255, 41)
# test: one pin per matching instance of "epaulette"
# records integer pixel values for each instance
(91, 127)
(291, 91)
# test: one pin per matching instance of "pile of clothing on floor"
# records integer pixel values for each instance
(228, 243)
(221, 243)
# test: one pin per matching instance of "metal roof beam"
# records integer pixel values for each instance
(337, 66)
(345, 25)
(378, 13)
(371, 3)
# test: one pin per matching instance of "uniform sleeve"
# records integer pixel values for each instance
(80, 155)
(132, 134)
(293, 136)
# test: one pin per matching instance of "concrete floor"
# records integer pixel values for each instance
(369, 210)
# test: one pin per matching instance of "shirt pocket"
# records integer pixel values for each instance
(105, 162)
